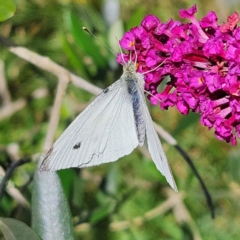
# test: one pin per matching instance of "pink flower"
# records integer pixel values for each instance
(202, 62)
(128, 41)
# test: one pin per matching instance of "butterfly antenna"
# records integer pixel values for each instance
(121, 51)
(155, 67)
(136, 56)
(87, 30)
(130, 59)
(152, 95)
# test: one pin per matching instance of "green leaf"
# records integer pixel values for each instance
(7, 9)
(51, 217)
(15, 230)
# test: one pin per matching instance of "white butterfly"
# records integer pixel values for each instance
(112, 126)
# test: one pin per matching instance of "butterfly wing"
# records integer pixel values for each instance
(103, 132)
(155, 147)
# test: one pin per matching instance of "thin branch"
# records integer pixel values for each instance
(17, 196)
(12, 150)
(202, 184)
(52, 127)
(12, 107)
(9, 173)
(4, 93)
(47, 64)
(14, 192)
(165, 135)
(8, 107)
(182, 214)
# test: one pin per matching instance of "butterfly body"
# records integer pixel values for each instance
(135, 86)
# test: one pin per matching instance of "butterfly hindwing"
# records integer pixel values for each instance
(155, 146)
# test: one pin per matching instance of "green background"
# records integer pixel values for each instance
(102, 197)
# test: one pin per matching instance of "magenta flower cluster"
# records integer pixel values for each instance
(202, 62)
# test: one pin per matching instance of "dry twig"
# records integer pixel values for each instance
(10, 108)
(47, 64)
(4, 93)
(53, 123)
(182, 215)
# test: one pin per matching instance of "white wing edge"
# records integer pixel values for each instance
(156, 151)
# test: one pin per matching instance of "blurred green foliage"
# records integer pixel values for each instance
(121, 191)
(7, 9)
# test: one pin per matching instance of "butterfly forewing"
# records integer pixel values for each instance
(103, 132)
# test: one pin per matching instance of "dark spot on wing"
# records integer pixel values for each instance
(77, 145)
(106, 90)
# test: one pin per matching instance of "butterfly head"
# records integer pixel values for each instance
(130, 67)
